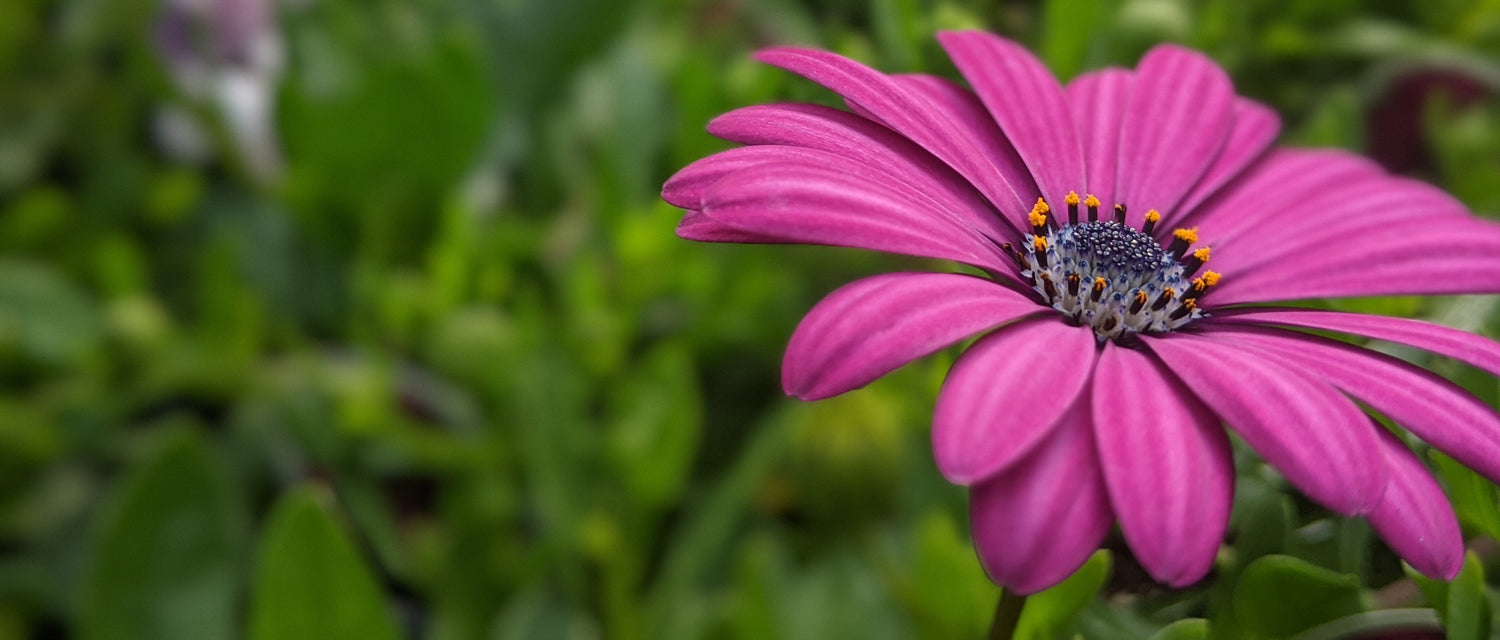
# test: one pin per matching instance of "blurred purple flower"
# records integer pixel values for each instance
(227, 53)
(1111, 359)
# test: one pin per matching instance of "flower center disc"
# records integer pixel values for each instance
(1106, 274)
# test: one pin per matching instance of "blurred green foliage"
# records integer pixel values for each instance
(422, 357)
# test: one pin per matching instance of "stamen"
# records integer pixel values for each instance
(1181, 240)
(1187, 307)
(1152, 216)
(1074, 281)
(1162, 300)
(1100, 284)
(1192, 262)
(1120, 213)
(1072, 202)
(1040, 244)
(1038, 217)
(1017, 256)
(1202, 284)
(1093, 205)
(1047, 286)
(1139, 302)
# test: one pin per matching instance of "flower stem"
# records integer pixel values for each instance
(1007, 615)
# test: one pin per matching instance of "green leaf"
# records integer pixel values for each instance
(310, 582)
(1468, 612)
(44, 316)
(702, 541)
(1048, 613)
(1266, 527)
(1474, 498)
(1381, 623)
(167, 555)
(537, 614)
(657, 422)
(1279, 596)
(1434, 591)
(1190, 629)
(954, 594)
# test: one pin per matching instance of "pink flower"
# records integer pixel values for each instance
(1112, 359)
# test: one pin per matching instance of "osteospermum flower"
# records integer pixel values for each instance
(1113, 357)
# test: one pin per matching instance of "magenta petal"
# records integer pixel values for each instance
(851, 137)
(1098, 100)
(1414, 517)
(1284, 179)
(1180, 113)
(696, 226)
(870, 327)
(686, 187)
(1027, 101)
(1463, 346)
(1434, 276)
(839, 206)
(905, 112)
(961, 108)
(1255, 128)
(1006, 393)
(1167, 464)
(1346, 217)
(1309, 432)
(1035, 523)
(1457, 255)
(1434, 409)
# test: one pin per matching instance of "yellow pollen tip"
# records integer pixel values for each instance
(1072, 198)
(1041, 206)
(1100, 283)
(1186, 235)
(1091, 201)
(1153, 216)
(1040, 244)
(1037, 218)
(1199, 285)
(1140, 296)
(1201, 254)
(1190, 303)
(1211, 278)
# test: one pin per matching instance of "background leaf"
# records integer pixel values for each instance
(168, 556)
(1279, 596)
(310, 581)
(1046, 614)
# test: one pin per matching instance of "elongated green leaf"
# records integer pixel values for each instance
(167, 555)
(1468, 612)
(310, 582)
(1190, 629)
(1434, 591)
(1474, 498)
(1280, 596)
(659, 418)
(1381, 623)
(1048, 613)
